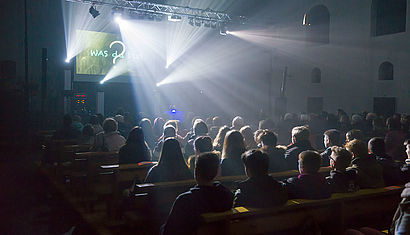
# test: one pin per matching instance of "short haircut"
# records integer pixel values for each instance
(110, 125)
(300, 133)
(357, 147)
(169, 131)
(206, 166)
(333, 135)
(310, 161)
(256, 162)
(203, 144)
(237, 122)
(268, 138)
(354, 134)
(341, 157)
(200, 128)
(376, 145)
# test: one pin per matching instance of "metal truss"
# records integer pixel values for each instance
(154, 8)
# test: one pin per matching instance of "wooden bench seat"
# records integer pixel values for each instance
(335, 214)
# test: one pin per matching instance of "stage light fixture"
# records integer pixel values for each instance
(207, 24)
(150, 17)
(67, 60)
(174, 18)
(223, 29)
(214, 24)
(159, 17)
(198, 23)
(191, 21)
(94, 12)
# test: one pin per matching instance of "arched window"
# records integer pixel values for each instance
(316, 75)
(317, 21)
(386, 71)
(388, 17)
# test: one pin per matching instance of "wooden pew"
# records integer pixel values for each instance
(155, 200)
(333, 215)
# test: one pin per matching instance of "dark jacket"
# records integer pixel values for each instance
(343, 182)
(231, 167)
(134, 153)
(187, 208)
(277, 162)
(293, 151)
(157, 174)
(369, 172)
(308, 187)
(391, 170)
(325, 156)
(261, 192)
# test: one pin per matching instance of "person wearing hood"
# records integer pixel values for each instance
(391, 170)
(340, 179)
(135, 149)
(206, 196)
(260, 190)
(300, 143)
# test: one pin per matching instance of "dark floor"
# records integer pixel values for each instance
(28, 205)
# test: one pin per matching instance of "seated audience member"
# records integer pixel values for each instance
(120, 123)
(169, 132)
(247, 134)
(96, 124)
(158, 127)
(146, 126)
(220, 137)
(237, 123)
(401, 219)
(171, 165)
(275, 154)
(110, 139)
(234, 146)
(87, 135)
(67, 131)
(216, 125)
(310, 184)
(406, 167)
(369, 171)
(202, 144)
(77, 125)
(391, 170)
(260, 190)
(330, 138)
(393, 139)
(300, 143)
(340, 179)
(200, 129)
(207, 196)
(135, 149)
(256, 137)
(354, 134)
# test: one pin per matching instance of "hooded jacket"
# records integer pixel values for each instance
(343, 182)
(308, 186)
(261, 192)
(369, 172)
(185, 213)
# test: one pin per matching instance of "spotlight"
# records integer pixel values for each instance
(94, 12)
(214, 24)
(191, 21)
(174, 18)
(207, 24)
(173, 110)
(67, 60)
(102, 82)
(223, 29)
(198, 23)
(158, 84)
(118, 19)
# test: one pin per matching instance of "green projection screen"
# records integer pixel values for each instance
(102, 51)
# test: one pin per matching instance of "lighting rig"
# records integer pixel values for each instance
(153, 11)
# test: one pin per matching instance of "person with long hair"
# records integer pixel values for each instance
(171, 165)
(135, 149)
(220, 137)
(234, 146)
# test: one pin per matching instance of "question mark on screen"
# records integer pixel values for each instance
(122, 52)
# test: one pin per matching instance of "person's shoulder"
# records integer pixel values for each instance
(292, 180)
